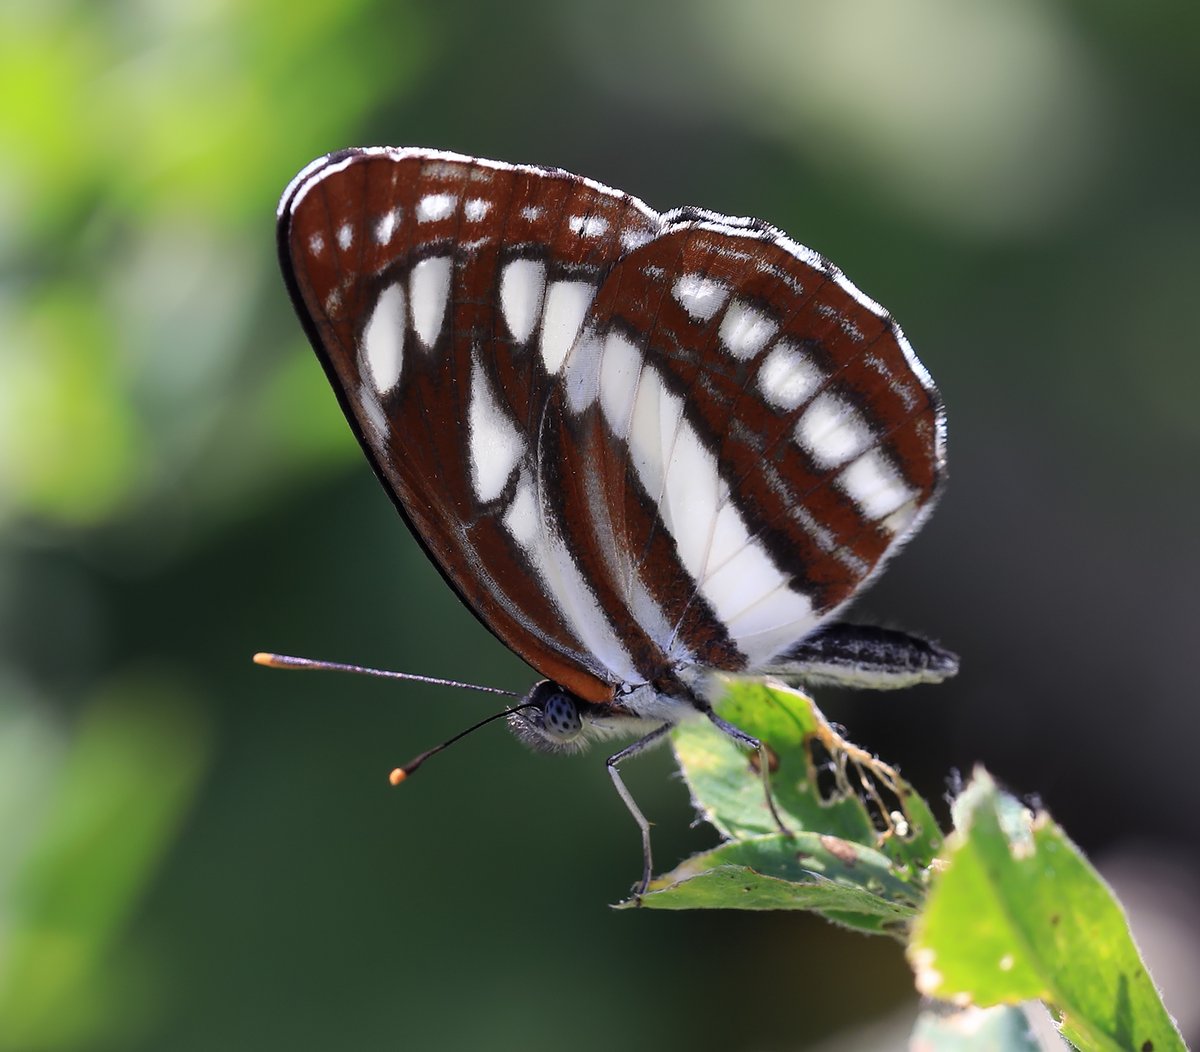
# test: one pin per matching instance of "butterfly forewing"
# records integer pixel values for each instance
(633, 443)
(433, 289)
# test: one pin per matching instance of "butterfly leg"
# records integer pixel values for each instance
(764, 768)
(639, 746)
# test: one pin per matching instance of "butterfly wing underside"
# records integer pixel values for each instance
(631, 442)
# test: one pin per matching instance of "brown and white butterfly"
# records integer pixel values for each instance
(645, 449)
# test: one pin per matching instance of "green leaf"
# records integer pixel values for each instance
(862, 840)
(943, 1028)
(1018, 913)
(848, 883)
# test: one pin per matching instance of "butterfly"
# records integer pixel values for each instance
(646, 450)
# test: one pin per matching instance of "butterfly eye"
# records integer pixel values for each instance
(561, 715)
(549, 719)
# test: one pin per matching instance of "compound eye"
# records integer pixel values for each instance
(561, 717)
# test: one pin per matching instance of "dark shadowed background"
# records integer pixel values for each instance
(196, 853)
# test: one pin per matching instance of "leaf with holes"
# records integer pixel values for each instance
(1018, 913)
(846, 883)
(861, 847)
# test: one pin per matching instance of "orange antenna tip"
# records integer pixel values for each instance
(263, 658)
(397, 776)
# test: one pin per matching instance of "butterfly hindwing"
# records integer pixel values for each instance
(766, 418)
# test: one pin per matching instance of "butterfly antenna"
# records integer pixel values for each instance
(401, 773)
(284, 661)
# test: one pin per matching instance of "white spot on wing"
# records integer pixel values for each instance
(522, 519)
(620, 367)
(383, 338)
(433, 207)
(588, 226)
(729, 537)
(581, 374)
(773, 624)
(770, 618)
(345, 236)
(385, 226)
(700, 297)
(655, 414)
(634, 238)
(692, 504)
(875, 486)
(832, 431)
(316, 244)
(567, 304)
(787, 378)
(429, 289)
(900, 521)
(745, 329)
(476, 208)
(496, 444)
(532, 212)
(522, 287)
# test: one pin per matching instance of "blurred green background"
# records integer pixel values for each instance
(196, 853)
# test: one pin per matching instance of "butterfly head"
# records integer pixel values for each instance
(552, 719)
